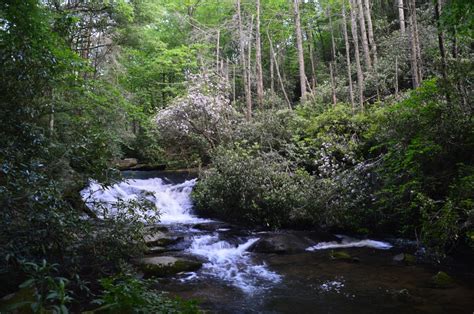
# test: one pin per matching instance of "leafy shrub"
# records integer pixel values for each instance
(126, 294)
(253, 187)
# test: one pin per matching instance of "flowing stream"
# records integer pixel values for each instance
(235, 280)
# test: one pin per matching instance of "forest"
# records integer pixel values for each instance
(349, 117)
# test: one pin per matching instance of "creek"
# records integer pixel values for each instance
(314, 273)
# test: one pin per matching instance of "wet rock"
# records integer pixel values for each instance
(212, 226)
(155, 250)
(161, 239)
(442, 280)
(284, 243)
(126, 163)
(340, 255)
(405, 296)
(160, 266)
(405, 258)
(18, 302)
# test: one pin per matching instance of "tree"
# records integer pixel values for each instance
(355, 38)
(348, 54)
(258, 57)
(300, 49)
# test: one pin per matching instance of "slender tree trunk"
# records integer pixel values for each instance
(272, 52)
(233, 83)
(355, 38)
(333, 85)
(272, 75)
(348, 55)
(370, 31)
(258, 58)
(249, 70)
(248, 96)
(333, 43)
(416, 79)
(418, 45)
(299, 44)
(442, 51)
(312, 60)
(217, 50)
(363, 32)
(396, 75)
(401, 17)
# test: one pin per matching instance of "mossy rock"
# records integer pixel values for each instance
(160, 266)
(18, 302)
(408, 259)
(340, 255)
(442, 280)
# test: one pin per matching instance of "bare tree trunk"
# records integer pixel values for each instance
(348, 55)
(258, 58)
(272, 52)
(333, 43)
(363, 32)
(249, 70)
(401, 17)
(418, 45)
(217, 50)
(370, 30)
(355, 38)
(311, 59)
(396, 75)
(333, 85)
(442, 51)
(248, 96)
(233, 83)
(272, 75)
(299, 44)
(416, 79)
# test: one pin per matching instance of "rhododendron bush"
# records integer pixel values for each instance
(199, 121)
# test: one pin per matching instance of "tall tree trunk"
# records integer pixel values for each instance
(299, 44)
(272, 75)
(363, 32)
(311, 58)
(248, 96)
(414, 45)
(442, 51)
(249, 69)
(401, 17)
(217, 50)
(333, 43)
(396, 75)
(333, 85)
(355, 38)
(258, 58)
(272, 52)
(348, 55)
(370, 31)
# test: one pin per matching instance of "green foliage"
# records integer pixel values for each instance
(253, 187)
(126, 294)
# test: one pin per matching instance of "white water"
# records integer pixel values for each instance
(172, 201)
(232, 263)
(348, 242)
(227, 262)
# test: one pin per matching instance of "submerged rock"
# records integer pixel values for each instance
(442, 280)
(160, 266)
(284, 243)
(405, 258)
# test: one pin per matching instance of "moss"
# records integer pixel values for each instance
(442, 280)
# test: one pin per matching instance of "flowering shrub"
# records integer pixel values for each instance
(199, 120)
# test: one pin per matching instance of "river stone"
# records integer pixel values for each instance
(161, 239)
(160, 266)
(155, 250)
(126, 163)
(284, 243)
(404, 258)
(442, 280)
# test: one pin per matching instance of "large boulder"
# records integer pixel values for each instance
(161, 239)
(160, 266)
(283, 243)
